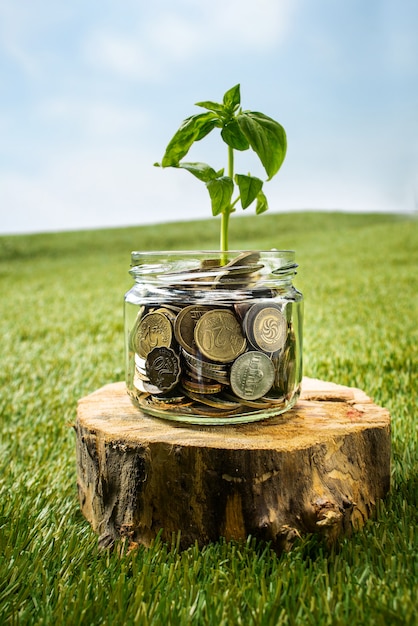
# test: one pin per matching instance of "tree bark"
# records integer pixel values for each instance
(319, 468)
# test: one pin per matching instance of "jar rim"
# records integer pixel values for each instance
(231, 268)
(139, 255)
(211, 251)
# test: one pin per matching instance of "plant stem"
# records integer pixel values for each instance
(226, 213)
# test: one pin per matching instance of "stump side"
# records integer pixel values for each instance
(320, 467)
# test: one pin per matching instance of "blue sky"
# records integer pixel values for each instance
(91, 92)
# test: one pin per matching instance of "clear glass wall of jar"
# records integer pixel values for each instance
(213, 338)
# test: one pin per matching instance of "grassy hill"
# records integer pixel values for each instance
(61, 338)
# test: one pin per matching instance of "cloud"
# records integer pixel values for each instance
(94, 117)
(249, 24)
(87, 187)
(120, 54)
(154, 41)
(85, 110)
(25, 27)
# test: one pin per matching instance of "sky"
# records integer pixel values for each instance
(91, 93)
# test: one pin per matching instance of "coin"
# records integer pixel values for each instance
(252, 404)
(154, 330)
(144, 386)
(208, 411)
(245, 258)
(274, 400)
(200, 387)
(218, 336)
(238, 272)
(185, 324)
(209, 263)
(252, 375)
(139, 363)
(134, 331)
(221, 404)
(205, 369)
(286, 370)
(171, 398)
(169, 313)
(241, 308)
(163, 368)
(266, 327)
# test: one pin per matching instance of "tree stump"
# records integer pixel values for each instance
(319, 468)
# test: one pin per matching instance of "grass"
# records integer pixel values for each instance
(61, 338)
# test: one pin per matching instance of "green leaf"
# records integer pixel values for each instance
(192, 129)
(220, 191)
(249, 188)
(233, 136)
(212, 106)
(262, 204)
(266, 137)
(232, 98)
(202, 171)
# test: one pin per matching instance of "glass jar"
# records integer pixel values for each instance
(213, 338)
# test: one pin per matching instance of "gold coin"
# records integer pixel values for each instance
(238, 272)
(169, 399)
(185, 324)
(252, 404)
(218, 336)
(213, 401)
(154, 331)
(244, 259)
(200, 387)
(134, 331)
(209, 263)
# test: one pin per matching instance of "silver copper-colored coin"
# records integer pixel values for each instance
(204, 376)
(219, 337)
(266, 327)
(185, 324)
(140, 362)
(154, 330)
(198, 361)
(163, 368)
(144, 386)
(252, 375)
(141, 375)
(204, 369)
(195, 375)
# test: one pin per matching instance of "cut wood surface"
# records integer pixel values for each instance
(321, 467)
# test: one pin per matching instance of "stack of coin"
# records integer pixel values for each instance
(214, 359)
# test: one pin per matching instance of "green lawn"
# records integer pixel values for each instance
(62, 337)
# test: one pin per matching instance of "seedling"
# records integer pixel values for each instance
(240, 130)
